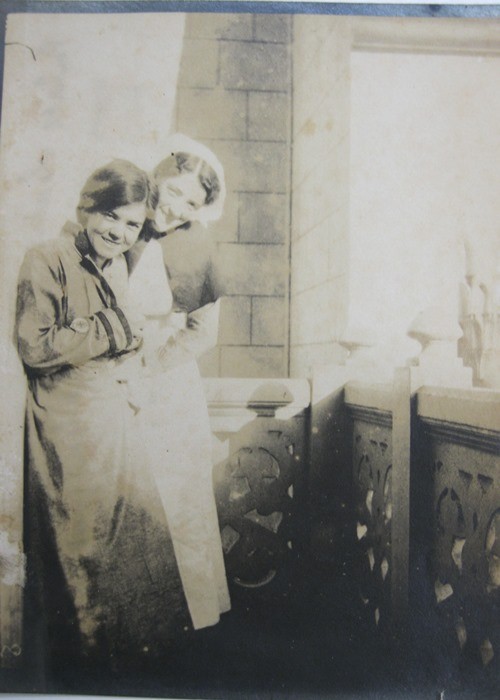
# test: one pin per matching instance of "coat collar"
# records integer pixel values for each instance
(79, 238)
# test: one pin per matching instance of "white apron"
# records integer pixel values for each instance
(180, 448)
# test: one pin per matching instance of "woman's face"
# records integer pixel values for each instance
(113, 232)
(180, 196)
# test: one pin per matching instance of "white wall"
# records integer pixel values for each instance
(395, 163)
(80, 91)
(320, 191)
(424, 175)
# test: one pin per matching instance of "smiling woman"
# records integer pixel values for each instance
(180, 196)
(113, 210)
(190, 185)
(95, 534)
(113, 232)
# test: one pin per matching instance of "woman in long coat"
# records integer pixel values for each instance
(96, 537)
(182, 303)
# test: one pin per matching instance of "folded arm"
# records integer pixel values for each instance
(45, 340)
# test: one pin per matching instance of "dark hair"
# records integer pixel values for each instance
(181, 162)
(115, 185)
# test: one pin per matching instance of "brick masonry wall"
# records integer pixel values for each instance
(234, 95)
(320, 192)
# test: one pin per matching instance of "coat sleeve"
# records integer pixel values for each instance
(215, 284)
(44, 341)
(199, 336)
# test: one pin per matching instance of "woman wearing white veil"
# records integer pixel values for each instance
(175, 284)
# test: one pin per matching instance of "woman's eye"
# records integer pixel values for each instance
(110, 215)
(134, 226)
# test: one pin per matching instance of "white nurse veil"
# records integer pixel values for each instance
(180, 143)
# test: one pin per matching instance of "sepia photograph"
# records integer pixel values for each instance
(250, 350)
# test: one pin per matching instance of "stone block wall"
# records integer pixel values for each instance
(234, 95)
(320, 192)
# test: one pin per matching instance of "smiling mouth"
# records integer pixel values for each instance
(109, 241)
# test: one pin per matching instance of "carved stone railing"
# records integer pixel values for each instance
(460, 470)
(370, 411)
(425, 522)
(259, 429)
(424, 504)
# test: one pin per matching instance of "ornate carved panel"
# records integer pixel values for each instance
(256, 490)
(465, 565)
(372, 481)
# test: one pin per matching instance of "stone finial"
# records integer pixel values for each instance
(434, 325)
(358, 341)
(438, 362)
(268, 397)
(364, 362)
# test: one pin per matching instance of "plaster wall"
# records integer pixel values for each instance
(424, 178)
(79, 90)
(395, 152)
(320, 191)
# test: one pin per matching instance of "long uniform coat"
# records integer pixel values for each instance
(96, 536)
(176, 411)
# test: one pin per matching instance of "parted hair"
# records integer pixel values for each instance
(181, 162)
(114, 185)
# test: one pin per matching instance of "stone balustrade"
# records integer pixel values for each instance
(260, 459)
(423, 500)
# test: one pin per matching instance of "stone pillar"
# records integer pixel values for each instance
(234, 95)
